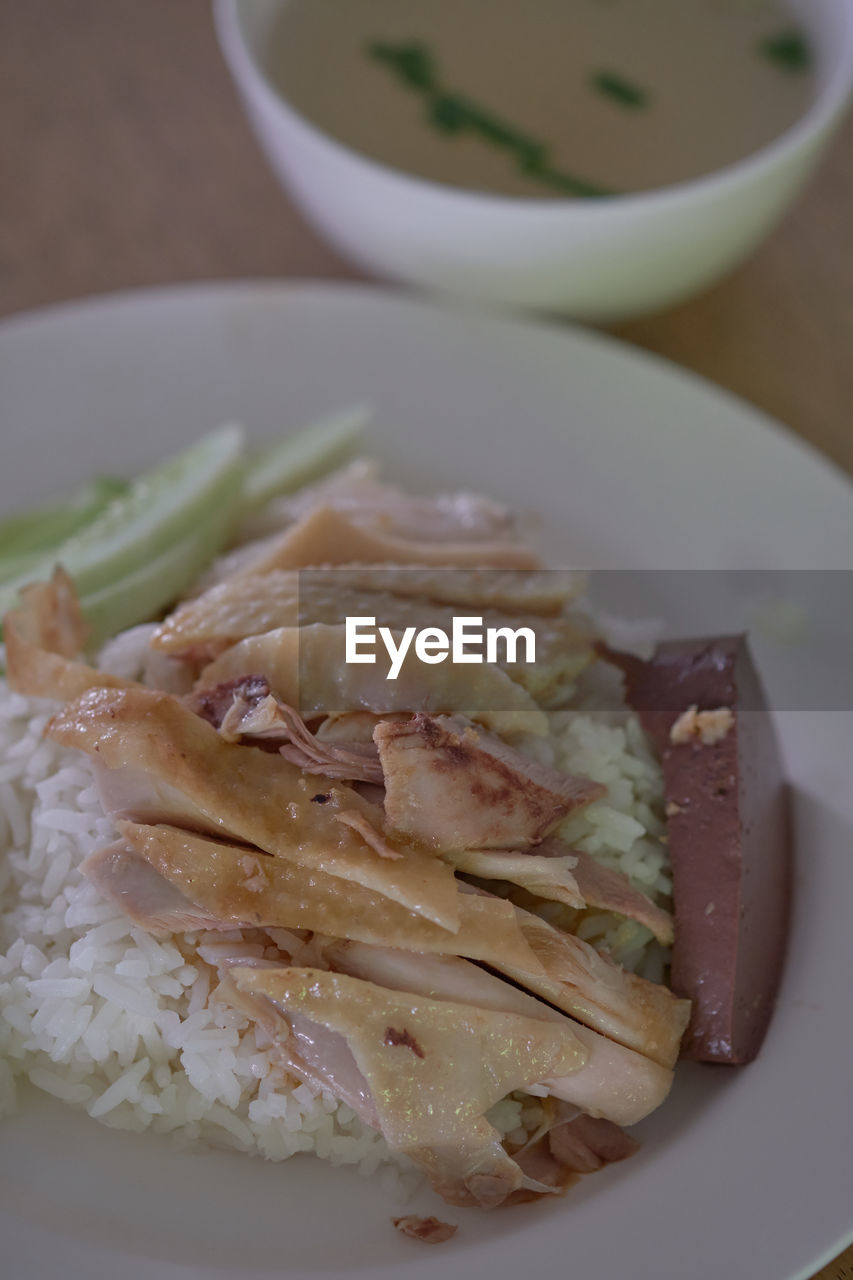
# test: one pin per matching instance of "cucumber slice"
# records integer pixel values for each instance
(160, 508)
(143, 594)
(22, 566)
(294, 461)
(42, 528)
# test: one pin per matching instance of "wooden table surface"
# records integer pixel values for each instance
(125, 161)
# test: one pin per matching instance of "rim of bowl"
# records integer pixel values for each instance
(823, 113)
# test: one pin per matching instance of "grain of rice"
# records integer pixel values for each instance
(14, 813)
(16, 1016)
(54, 1083)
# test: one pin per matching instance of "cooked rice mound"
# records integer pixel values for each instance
(102, 1015)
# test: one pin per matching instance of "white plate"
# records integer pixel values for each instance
(632, 465)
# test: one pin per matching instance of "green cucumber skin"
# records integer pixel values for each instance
(20, 567)
(142, 595)
(44, 528)
(296, 460)
(129, 565)
(127, 534)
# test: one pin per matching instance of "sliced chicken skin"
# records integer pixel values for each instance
(252, 605)
(354, 727)
(450, 786)
(587, 985)
(228, 885)
(306, 668)
(245, 606)
(170, 880)
(245, 793)
(327, 536)
(433, 1068)
(552, 879)
(569, 876)
(147, 897)
(615, 1082)
(43, 637)
(307, 1048)
(543, 592)
(357, 492)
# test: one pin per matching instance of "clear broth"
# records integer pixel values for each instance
(710, 91)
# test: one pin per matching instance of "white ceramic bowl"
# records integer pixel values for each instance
(594, 260)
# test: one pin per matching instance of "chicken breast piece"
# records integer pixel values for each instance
(328, 536)
(449, 785)
(552, 879)
(246, 794)
(544, 592)
(44, 637)
(587, 985)
(557, 873)
(163, 876)
(147, 897)
(357, 492)
(614, 1082)
(306, 668)
(433, 1068)
(252, 604)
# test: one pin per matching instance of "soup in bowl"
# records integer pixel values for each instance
(594, 157)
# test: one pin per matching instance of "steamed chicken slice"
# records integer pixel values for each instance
(357, 492)
(521, 592)
(433, 1068)
(144, 895)
(163, 877)
(552, 879)
(245, 606)
(211, 884)
(44, 637)
(451, 786)
(327, 536)
(587, 985)
(243, 792)
(306, 668)
(543, 592)
(354, 727)
(245, 709)
(254, 605)
(316, 1054)
(556, 873)
(614, 1082)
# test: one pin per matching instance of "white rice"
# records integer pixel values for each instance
(102, 1015)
